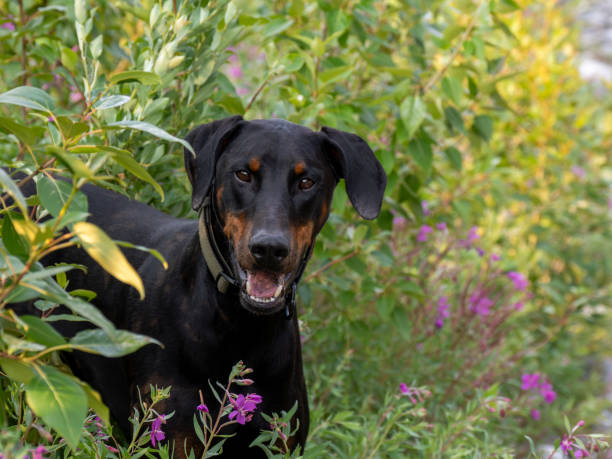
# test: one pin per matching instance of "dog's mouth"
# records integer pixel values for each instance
(263, 292)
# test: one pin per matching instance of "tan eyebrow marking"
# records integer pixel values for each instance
(299, 168)
(254, 164)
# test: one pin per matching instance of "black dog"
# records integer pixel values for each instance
(263, 189)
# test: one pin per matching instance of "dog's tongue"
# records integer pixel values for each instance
(261, 284)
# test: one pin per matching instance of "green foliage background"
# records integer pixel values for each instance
(473, 106)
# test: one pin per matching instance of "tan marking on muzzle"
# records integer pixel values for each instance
(302, 238)
(219, 196)
(238, 231)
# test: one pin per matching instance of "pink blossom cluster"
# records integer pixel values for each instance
(539, 383)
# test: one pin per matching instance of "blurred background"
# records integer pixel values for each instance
(472, 318)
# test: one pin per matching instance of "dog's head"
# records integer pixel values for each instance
(271, 183)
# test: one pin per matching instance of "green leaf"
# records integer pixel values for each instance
(453, 89)
(151, 129)
(276, 26)
(412, 113)
(76, 166)
(102, 249)
(153, 252)
(53, 195)
(13, 190)
(421, 153)
(454, 157)
(454, 119)
(483, 126)
(39, 331)
(402, 322)
(29, 97)
(336, 74)
(17, 370)
(14, 242)
(96, 46)
(130, 76)
(123, 158)
(59, 400)
(94, 401)
(111, 102)
(27, 134)
(116, 344)
(71, 129)
(69, 58)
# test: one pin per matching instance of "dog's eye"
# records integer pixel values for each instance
(243, 176)
(306, 183)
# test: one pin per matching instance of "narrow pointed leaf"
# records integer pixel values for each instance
(104, 250)
(151, 129)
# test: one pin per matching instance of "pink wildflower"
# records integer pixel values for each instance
(423, 232)
(480, 304)
(243, 406)
(425, 208)
(520, 282)
(235, 71)
(156, 432)
(530, 381)
(495, 257)
(443, 312)
(75, 95)
(441, 226)
(38, 452)
(202, 407)
(8, 26)
(566, 444)
(535, 414)
(480, 251)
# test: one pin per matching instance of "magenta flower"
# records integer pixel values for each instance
(156, 432)
(235, 71)
(404, 388)
(75, 95)
(112, 449)
(578, 171)
(38, 452)
(443, 312)
(243, 406)
(202, 407)
(581, 453)
(480, 304)
(548, 393)
(480, 251)
(520, 282)
(423, 232)
(535, 414)
(441, 226)
(566, 444)
(399, 222)
(519, 305)
(530, 381)
(472, 236)
(425, 208)
(8, 26)
(495, 257)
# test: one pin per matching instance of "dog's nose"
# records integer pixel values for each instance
(269, 249)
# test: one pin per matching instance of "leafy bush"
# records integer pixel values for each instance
(424, 330)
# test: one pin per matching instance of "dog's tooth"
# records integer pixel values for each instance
(248, 287)
(278, 291)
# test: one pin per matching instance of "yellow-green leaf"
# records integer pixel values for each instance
(104, 250)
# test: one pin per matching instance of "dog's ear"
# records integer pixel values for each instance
(208, 142)
(354, 160)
